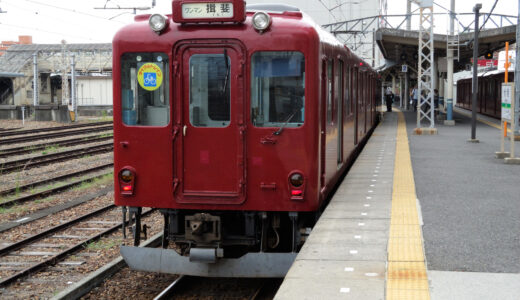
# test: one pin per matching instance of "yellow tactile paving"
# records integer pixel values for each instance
(407, 294)
(407, 270)
(407, 284)
(406, 273)
(405, 249)
(405, 231)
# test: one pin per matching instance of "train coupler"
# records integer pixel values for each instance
(135, 216)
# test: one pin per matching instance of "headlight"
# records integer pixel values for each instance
(296, 179)
(157, 22)
(261, 21)
(126, 175)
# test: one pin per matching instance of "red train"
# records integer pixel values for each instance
(236, 125)
(489, 99)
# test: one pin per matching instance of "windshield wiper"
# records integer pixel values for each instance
(223, 90)
(279, 131)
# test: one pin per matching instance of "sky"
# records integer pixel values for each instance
(78, 21)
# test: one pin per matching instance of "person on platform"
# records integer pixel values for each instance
(389, 98)
(414, 95)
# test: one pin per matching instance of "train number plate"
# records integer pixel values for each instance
(207, 10)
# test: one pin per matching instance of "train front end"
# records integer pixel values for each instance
(216, 125)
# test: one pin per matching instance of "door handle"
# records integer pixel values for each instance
(184, 130)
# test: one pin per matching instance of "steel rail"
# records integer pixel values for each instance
(9, 129)
(58, 128)
(95, 278)
(28, 163)
(16, 246)
(55, 258)
(23, 188)
(47, 193)
(65, 143)
(167, 292)
(24, 139)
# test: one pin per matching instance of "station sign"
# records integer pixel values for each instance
(508, 94)
(208, 11)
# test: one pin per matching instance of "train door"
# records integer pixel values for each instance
(209, 127)
(324, 103)
(340, 95)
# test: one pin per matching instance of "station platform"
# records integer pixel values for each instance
(417, 217)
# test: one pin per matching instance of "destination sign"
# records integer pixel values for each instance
(212, 10)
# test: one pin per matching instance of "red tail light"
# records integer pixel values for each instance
(127, 188)
(297, 193)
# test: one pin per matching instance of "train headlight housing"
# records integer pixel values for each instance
(296, 185)
(296, 179)
(261, 21)
(127, 181)
(126, 175)
(157, 22)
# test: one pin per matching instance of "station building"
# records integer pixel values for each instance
(93, 69)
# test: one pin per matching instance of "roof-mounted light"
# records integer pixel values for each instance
(261, 21)
(157, 22)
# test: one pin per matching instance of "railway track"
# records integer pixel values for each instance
(13, 131)
(74, 236)
(53, 190)
(8, 129)
(188, 287)
(43, 146)
(23, 139)
(28, 163)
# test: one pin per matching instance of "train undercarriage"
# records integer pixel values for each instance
(222, 243)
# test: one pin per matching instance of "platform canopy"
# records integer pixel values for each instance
(401, 46)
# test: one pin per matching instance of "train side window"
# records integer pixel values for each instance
(144, 89)
(277, 89)
(330, 91)
(348, 110)
(210, 104)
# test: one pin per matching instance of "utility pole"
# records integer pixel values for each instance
(474, 92)
(64, 77)
(449, 59)
(74, 107)
(408, 14)
(517, 76)
(35, 81)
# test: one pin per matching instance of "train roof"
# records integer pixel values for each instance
(291, 16)
(469, 74)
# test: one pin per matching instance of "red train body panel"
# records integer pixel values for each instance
(231, 121)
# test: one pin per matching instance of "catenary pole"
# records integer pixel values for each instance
(474, 93)
(449, 98)
(517, 74)
(408, 14)
(35, 81)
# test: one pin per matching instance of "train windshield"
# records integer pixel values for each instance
(277, 89)
(144, 89)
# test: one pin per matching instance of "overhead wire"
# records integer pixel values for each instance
(51, 32)
(72, 10)
(44, 15)
(328, 9)
(489, 15)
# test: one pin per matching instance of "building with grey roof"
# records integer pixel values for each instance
(93, 70)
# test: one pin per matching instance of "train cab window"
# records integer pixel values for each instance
(210, 90)
(277, 89)
(144, 89)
